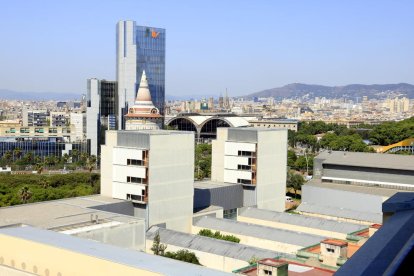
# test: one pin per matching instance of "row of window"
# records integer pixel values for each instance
(244, 181)
(244, 167)
(135, 162)
(245, 153)
(399, 187)
(132, 179)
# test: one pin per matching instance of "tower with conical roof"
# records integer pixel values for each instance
(143, 114)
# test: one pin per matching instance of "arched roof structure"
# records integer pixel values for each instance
(206, 126)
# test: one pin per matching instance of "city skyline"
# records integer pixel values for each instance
(211, 47)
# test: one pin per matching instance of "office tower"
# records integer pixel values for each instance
(139, 48)
(154, 169)
(101, 110)
(255, 158)
(143, 114)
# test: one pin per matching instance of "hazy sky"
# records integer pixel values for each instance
(245, 46)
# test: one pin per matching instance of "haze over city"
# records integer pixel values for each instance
(244, 46)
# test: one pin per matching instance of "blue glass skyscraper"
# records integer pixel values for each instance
(139, 48)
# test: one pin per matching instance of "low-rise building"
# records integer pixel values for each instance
(268, 238)
(352, 186)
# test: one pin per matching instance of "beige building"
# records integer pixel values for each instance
(275, 123)
(298, 223)
(154, 169)
(255, 158)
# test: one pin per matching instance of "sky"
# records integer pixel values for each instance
(244, 46)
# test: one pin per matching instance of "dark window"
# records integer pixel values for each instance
(244, 181)
(135, 162)
(131, 179)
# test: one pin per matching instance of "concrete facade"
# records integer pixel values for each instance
(154, 170)
(255, 158)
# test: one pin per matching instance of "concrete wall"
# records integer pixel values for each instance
(8, 271)
(207, 259)
(131, 235)
(228, 197)
(217, 155)
(92, 115)
(47, 260)
(271, 170)
(106, 163)
(171, 178)
(369, 176)
(257, 242)
(292, 227)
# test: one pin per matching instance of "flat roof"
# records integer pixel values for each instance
(258, 231)
(208, 184)
(210, 245)
(63, 212)
(107, 252)
(339, 212)
(371, 160)
(301, 220)
(387, 192)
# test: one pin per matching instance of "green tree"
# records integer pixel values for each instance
(294, 181)
(25, 194)
(183, 255)
(157, 247)
(17, 153)
(218, 235)
(39, 168)
(291, 158)
(8, 156)
(28, 157)
(65, 158)
(90, 165)
(202, 160)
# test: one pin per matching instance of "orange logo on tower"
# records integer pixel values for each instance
(154, 34)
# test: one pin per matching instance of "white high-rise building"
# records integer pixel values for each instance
(155, 170)
(255, 158)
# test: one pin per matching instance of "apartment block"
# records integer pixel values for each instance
(255, 158)
(153, 169)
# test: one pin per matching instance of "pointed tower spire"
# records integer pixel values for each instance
(143, 94)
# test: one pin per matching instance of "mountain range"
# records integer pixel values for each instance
(6, 94)
(351, 91)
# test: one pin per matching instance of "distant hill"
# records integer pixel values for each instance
(6, 94)
(352, 91)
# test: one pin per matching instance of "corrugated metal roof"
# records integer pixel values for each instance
(355, 188)
(111, 253)
(364, 159)
(300, 220)
(210, 245)
(258, 231)
(339, 212)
